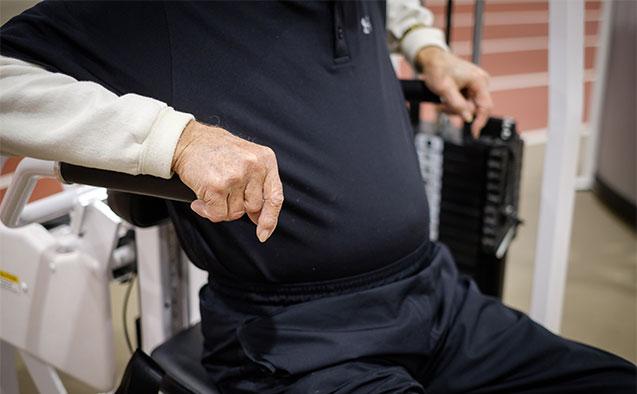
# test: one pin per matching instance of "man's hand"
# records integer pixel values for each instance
(231, 176)
(448, 76)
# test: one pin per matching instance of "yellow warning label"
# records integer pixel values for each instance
(9, 282)
(7, 276)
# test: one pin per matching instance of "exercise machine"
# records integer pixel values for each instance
(58, 256)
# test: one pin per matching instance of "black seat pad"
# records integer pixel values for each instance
(138, 210)
(180, 357)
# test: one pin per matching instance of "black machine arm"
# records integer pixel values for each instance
(415, 90)
(170, 189)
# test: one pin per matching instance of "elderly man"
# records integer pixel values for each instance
(296, 100)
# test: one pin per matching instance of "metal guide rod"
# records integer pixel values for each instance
(478, 11)
(448, 30)
(566, 51)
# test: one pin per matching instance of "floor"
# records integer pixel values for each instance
(600, 304)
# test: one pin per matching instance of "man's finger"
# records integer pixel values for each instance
(482, 115)
(471, 107)
(199, 207)
(484, 104)
(217, 207)
(272, 203)
(253, 195)
(456, 103)
(236, 207)
(254, 217)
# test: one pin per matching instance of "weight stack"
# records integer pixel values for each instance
(473, 188)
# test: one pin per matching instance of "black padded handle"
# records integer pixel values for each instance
(170, 189)
(415, 90)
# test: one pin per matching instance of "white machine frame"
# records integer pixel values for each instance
(76, 262)
(559, 180)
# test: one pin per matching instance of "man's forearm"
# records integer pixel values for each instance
(52, 116)
(410, 28)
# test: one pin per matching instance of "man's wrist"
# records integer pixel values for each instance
(188, 135)
(426, 55)
(418, 38)
(160, 142)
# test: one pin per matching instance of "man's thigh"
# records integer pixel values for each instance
(492, 348)
(354, 377)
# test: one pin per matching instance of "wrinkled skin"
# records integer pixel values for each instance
(230, 176)
(447, 75)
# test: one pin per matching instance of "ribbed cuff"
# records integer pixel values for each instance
(419, 38)
(159, 146)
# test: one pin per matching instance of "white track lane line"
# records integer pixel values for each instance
(501, 18)
(540, 136)
(530, 80)
(506, 45)
(434, 3)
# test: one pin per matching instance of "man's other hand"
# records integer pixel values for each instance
(230, 176)
(461, 85)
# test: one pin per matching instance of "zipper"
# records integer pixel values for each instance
(341, 50)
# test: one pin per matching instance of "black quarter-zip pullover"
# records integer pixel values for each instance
(311, 80)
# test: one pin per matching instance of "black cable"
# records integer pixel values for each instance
(125, 310)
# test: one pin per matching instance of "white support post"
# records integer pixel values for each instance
(163, 280)
(8, 370)
(44, 376)
(154, 303)
(589, 160)
(196, 279)
(566, 48)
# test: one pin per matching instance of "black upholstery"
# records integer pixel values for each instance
(142, 376)
(180, 357)
(137, 209)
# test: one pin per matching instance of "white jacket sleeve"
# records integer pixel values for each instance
(52, 116)
(410, 28)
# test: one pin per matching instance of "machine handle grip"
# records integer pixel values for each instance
(415, 90)
(170, 189)
(22, 183)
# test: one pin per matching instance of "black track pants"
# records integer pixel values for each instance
(428, 331)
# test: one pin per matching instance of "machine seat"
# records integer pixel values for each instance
(137, 209)
(180, 357)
